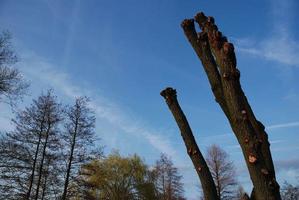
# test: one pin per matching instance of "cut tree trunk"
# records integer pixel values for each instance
(219, 62)
(202, 169)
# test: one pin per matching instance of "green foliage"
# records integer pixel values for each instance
(117, 178)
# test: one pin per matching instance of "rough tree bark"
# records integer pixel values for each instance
(218, 59)
(196, 156)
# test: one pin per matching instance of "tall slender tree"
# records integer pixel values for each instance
(52, 111)
(168, 180)
(79, 137)
(26, 146)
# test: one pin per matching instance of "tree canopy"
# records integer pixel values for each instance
(118, 178)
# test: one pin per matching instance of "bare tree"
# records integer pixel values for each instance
(168, 180)
(15, 167)
(223, 172)
(289, 191)
(79, 137)
(52, 119)
(32, 158)
(12, 84)
(219, 62)
(25, 149)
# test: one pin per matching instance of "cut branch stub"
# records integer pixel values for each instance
(194, 152)
(187, 23)
(244, 115)
(252, 158)
(211, 20)
(221, 48)
(200, 18)
(200, 44)
(169, 94)
(228, 48)
(190, 151)
(225, 76)
(199, 169)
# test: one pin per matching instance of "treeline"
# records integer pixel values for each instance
(52, 151)
(117, 178)
(49, 143)
(52, 154)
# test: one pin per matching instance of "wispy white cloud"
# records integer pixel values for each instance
(291, 96)
(278, 48)
(283, 125)
(229, 141)
(287, 164)
(120, 122)
(37, 68)
(280, 45)
(75, 11)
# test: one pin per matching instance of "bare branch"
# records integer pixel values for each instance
(12, 84)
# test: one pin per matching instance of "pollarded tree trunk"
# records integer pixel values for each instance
(196, 156)
(218, 59)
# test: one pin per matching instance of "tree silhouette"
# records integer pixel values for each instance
(168, 180)
(223, 172)
(79, 136)
(12, 84)
(28, 152)
(289, 191)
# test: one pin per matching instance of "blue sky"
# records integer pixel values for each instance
(123, 53)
